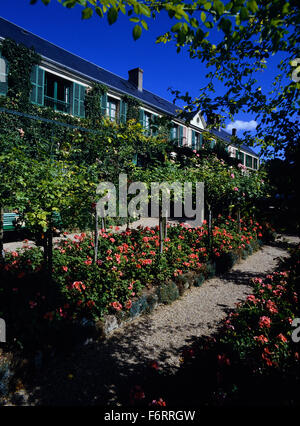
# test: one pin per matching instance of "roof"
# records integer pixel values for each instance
(81, 66)
(226, 137)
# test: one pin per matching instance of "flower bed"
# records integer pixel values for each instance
(129, 265)
(253, 359)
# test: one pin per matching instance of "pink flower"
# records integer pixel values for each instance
(272, 307)
(264, 322)
(117, 306)
(64, 268)
(235, 188)
(262, 339)
(128, 304)
(232, 175)
(78, 285)
(282, 338)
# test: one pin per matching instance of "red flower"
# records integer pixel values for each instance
(272, 307)
(282, 338)
(262, 339)
(116, 305)
(64, 268)
(223, 360)
(160, 402)
(128, 304)
(154, 365)
(264, 322)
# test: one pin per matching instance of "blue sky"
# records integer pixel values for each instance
(113, 48)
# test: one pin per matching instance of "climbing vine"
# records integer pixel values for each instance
(92, 103)
(133, 106)
(20, 63)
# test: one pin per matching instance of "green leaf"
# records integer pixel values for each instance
(112, 15)
(136, 20)
(252, 6)
(207, 6)
(99, 11)
(218, 6)
(244, 14)
(136, 32)
(203, 16)
(176, 27)
(87, 13)
(145, 10)
(144, 25)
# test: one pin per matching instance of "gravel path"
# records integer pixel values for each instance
(101, 373)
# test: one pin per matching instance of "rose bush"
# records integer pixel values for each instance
(252, 360)
(128, 262)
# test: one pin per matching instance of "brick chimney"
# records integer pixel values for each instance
(135, 77)
(233, 132)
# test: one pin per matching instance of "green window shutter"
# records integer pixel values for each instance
(212, 144)
(38, 83)
(248, 161)
(78, 100)
(3, 75)
(103, 103)
(123, 112)
(135, 159)
(180, 135)
(193, 139)
(142, 117)
(200, 141)
(154, 125)
(255, 163)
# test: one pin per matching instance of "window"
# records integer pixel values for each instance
(240, 156)
(248, 161)
(112, 108)
(255, 163)
(196, 140)
(3, 75)
(176, 134)
(149, 122)
(57, 92)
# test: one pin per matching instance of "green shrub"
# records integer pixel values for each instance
(167, 292)
(139, 306)
(199, 280)
(210, 269)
